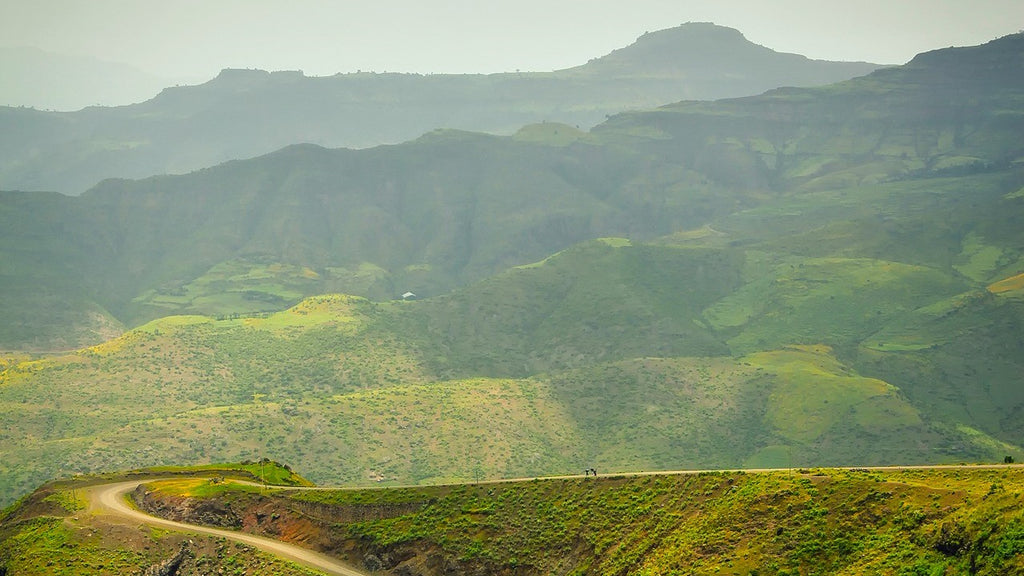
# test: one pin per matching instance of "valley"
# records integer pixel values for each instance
(819, 285)
(763, 290)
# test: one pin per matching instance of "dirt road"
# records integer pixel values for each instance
(109, 499)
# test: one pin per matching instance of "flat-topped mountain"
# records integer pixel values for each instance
(245, 113)
(716, 62)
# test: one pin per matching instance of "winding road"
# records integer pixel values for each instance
(109, 499)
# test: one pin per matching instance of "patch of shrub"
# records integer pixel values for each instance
(951, 539)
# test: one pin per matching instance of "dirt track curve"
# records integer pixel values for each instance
(109, 499)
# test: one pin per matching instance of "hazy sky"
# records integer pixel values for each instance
(197, 38)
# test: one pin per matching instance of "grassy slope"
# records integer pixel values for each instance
(804, 270)
(600, 301)
(820, 521)
(513, 376)
(51, 532)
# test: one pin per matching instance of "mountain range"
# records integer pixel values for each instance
(829, 275)
(245, 113)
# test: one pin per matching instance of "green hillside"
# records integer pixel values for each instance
(808, 277)
(54, 531)
(589, 357)
(455, 207)
(257, 235)
(599, 301)
(959, 520)
(820, 521)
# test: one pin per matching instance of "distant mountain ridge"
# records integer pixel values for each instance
(454, 207)
(245, 113)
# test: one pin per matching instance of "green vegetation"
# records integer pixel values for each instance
(429, 391)
(826, 521)
(837, 301)
(820, 521)
(808, 277)
(205, 488)
(50, 533)
(265, 471)
(256, 236)
(48, 546)
(233, 288)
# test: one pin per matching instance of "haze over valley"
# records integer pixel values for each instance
(691, 253)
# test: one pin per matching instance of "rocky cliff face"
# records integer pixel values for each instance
(318, 526)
